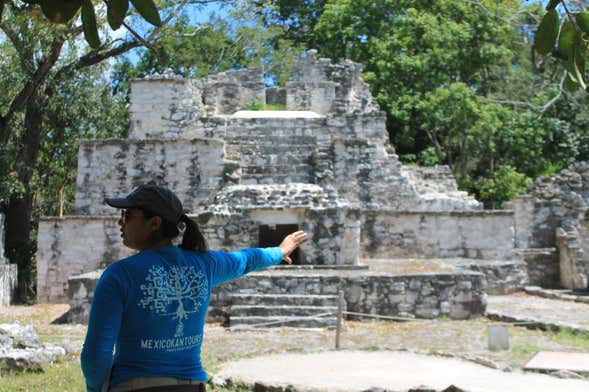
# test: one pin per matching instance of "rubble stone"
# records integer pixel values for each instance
(20, 349)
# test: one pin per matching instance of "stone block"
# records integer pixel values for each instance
(498, 337)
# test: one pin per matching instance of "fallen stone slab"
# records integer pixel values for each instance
(538, 312)
(563, 295)
(553, 360)
(78, 314)
(383, 371)
(534, 322)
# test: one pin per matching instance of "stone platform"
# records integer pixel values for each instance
(502, 276)
(306, 295)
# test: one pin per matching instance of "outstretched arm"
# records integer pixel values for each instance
(228, 266)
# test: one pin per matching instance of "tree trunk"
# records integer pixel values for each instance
(20, 247)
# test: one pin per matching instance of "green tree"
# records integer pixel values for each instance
(238, 39)
(40, 58)
(505, 184)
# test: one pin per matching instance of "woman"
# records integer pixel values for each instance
(152, 305)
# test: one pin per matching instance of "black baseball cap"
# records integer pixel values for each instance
(157, 199)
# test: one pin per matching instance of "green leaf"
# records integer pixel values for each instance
(575, 64)
(89, 24)
(547, 33)
(1, 8)
(582, 19)
(552, 4)
(60, 11)
(570, 84)
(565, 39)
(116, 12)
(148, 11)
(579, 54)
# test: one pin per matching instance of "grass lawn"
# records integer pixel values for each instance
(65, 376)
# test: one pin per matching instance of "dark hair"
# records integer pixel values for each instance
(192, 238)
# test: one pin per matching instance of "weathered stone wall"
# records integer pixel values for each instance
(472, 234)
(276, 96)
(321, 86)
(502, 277)
(230, 91)
(333, 232)
(107, 168)
(583, 230)
(318, 97)
(536, 221)
(273, 197)
(366, 177)
(574, 273)
(72, 246)
(273, 150)
(165, 106)
(438, 190)
(552, 214)
(169, 106)
(455, 295)
(542, 266)
(458, 296)
(8, 272)
(431, 179)
(77, 245)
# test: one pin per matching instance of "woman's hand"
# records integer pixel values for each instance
(290, 243)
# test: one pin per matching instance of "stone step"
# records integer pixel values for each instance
(283, 282)
(283, 299)
(279, 311)
(282, 321)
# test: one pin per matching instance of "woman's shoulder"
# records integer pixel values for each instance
(196, 255)
(138, 259)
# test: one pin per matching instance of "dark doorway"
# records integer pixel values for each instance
(273, 235)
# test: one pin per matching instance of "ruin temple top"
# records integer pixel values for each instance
(327, 147)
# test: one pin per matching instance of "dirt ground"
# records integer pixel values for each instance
(464, 339)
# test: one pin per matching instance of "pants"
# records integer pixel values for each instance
(175, 388)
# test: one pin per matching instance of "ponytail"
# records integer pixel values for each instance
(193, 238)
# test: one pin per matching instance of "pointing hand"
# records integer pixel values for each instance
(290, 243)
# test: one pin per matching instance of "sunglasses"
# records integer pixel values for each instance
(125, 215)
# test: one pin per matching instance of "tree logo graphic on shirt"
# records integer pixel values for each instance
(175, 291)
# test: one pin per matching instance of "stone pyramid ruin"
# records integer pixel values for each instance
(398, 240)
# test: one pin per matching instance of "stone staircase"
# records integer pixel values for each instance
(282, 311)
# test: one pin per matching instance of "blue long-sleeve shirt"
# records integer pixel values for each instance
(152, 306)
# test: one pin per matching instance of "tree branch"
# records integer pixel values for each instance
(95, 57)
(542, 109)
(548, 104)
(31, 86)
(514, 103)
(143, 42)
(26, 59)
